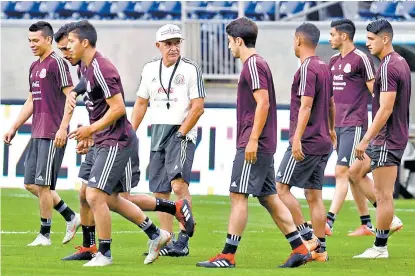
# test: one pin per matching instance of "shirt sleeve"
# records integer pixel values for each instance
(196, 87)
(257, 76)
(107, 77)
(61, 74)
(389, 78)
(143, 91)
(308, 79)
(367, 68)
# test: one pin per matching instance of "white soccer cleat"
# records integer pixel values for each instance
(71, 228)
(40, 241)
(155, 246)
(396, 225)
(99, 260)
(374, 252)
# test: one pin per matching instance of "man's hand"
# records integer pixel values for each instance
(82, 147)
(81, 133)
(251, 151)
(361, 149)
(333, 137)
(60, 138)
(297, 150)
(8, 137)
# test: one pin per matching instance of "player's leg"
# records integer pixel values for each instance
(239, 191)
(366, 227)
(340, 192)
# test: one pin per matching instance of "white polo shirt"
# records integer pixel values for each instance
(187, 84)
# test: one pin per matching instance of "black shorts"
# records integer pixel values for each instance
(255, 179)
(86, 165)
(307, 174)
(347, 140)
(172, 162)
(382, 157)
(43, 162)
(115, 170)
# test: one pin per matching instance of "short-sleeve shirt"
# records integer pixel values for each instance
(46, 81)
(186, 84)
(349, 75)
(255, 75)
(312, 79)
(393, 75)
(102, 82)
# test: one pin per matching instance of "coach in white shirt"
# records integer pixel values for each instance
(174, 87)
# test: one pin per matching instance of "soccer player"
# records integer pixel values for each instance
(174, 87)
(253, 168)
(49, 81)
(352, 73)
(312, 137)
(388, 133)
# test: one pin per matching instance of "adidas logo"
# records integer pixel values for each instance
(40, 178)
(154, 80)
(332, 68)
(186, 213)
(279, 174)
(234, 184)
(93, 179)
(344, 159)
(372, 163)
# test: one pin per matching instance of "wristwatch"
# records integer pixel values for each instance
(180, 135)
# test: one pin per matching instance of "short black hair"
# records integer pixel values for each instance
(85, 30)
(63, 31)
(380, 26)
(245, 29)
(310, 31)
(344, 26)
(42, 26)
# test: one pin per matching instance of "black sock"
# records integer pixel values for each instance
(322, 245)
(105, 247)
(166, 206)
(88, 233)
(45, 225)
(375, 204)
(232, 242)
(150, 229)
(294, 238)
(331, 218)
(305, 231)
(64, 210)
(381, 237)
(365, 220)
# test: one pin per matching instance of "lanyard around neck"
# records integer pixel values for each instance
(171, 78)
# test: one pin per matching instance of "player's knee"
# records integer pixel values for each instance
(180, 188)
(341, 173)
(263, 200)
(352, 175)
(282, 189)
(312, 196)
(93, 198)
(44, 190)
(82, 195)
(31, 188)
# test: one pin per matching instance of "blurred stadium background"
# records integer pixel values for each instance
(126, 34)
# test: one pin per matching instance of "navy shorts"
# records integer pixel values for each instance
(253, 179)
(307, 174)
(382, 157)
(174, 161)
(347, 140)
(43, 162)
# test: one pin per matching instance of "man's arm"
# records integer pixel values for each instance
(332, 118)
(369, 85)
(24, 115)
(62, 133)
(139, 110)
(303, 118)
(196, 110)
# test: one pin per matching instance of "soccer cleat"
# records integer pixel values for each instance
(181, 246)
(297, 258)
(374, 252)
(71, 228)
(82, 254)
(362, 230)
(219, 261)
(166, 250)
(320, 256)
(312, 244)
(40, 241)
(155, 246)
(396, 225)
(184, 216)
(99, 260)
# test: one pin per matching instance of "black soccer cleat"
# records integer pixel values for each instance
(296, 259)
(82, 254)
(184, 216)
(219, 261)
(181, 246)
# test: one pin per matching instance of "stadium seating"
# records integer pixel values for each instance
(203, 10)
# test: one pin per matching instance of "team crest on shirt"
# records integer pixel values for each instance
(179, 79)
(347, 68)
(42, 73)
(88, 87)
(332, 68)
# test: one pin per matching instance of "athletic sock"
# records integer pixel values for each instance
(88, 233)
(305, 231)
(381, 237)
(330, 219)
(105, 247)
(294, 238)
(45, 224)
(64, 210)
(231, 245)
(165, 205)
(365, 220)
(150, 229)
